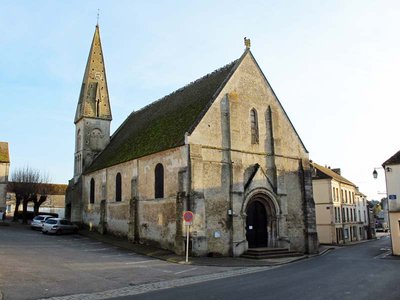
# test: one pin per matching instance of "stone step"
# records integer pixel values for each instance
(267, 250)
(263, 253)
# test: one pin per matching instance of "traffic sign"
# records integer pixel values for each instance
(188, 217)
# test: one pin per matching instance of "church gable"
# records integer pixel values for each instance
(255, 115)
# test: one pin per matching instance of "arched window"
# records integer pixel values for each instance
(118, 188)
(254, 126)
(92, 191)
(159, 181)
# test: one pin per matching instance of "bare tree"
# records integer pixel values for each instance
(28, 185)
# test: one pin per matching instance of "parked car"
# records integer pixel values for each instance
(59, 226)
(37, 222)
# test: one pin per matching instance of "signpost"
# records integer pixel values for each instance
(188, 218)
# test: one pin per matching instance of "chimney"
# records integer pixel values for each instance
(337, 171)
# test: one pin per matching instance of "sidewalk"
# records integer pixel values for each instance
(201, 261)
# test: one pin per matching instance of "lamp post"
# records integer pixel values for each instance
(375, 173)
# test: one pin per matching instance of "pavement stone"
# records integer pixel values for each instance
(247, 266)
(169, 256)
(149, 287)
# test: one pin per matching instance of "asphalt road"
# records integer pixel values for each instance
(362, 271)
(35, 266)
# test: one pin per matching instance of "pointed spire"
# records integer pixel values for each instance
(94, 100)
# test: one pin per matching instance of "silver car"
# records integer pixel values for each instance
(37, 222)
(59, 226)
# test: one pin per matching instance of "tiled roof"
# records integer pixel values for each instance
(324, 173)
(394, 160)
(162, 125)
(4, 155)
(51, 188)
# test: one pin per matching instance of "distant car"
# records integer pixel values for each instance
(37, 222)
(59, 226)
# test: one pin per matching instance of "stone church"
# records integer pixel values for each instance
(222, 147)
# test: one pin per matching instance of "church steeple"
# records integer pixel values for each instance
(93, 99)
(93, 114)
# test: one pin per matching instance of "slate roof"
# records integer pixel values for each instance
(326, 173)
(394, 160)
(162, 125)
(4, 155)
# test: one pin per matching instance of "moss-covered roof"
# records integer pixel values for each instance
(162, 125)
(4, 156)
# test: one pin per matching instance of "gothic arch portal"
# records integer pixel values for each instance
(261, 210)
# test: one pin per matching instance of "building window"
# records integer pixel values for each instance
(159, 181)
(254, 126)
(336, 215)
(92, 191)
(334, 195)
(118, 188)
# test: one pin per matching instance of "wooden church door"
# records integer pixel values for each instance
(256, 225)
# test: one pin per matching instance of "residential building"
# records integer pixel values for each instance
(222, 147)
(341, 210)
(392, 175)
(4, 173)
(362, 216)
(55, 201)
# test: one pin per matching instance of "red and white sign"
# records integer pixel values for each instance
(188, 217)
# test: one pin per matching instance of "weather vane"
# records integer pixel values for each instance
(247, 42)
(98, 15)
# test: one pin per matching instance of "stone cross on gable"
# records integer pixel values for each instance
(247, 43)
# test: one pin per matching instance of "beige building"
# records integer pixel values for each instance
(341, 210)
(221, 147)
(392, 175)
(4, 173)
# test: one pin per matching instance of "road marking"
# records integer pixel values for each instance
(139, 262)
(95, 250)
(184, 271)
(383, 255)
(161, 285)
(111, 255)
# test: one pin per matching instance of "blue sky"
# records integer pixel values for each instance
(333, 64)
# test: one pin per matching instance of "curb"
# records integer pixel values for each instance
(1, 296)
(198, 261)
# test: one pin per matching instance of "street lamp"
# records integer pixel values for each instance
(375, 173)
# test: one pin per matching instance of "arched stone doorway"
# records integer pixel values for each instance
(261, 222)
